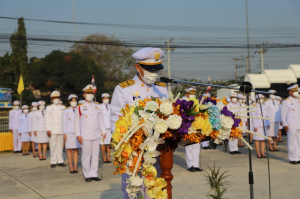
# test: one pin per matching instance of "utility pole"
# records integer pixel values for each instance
(168, 54)
(74, 16)
(237, 66)
(261, 51)
(248, 70)
(247, 62)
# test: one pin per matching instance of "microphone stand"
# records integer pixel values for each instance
(246, 87)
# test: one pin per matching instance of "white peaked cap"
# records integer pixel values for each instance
(25, 106)
(16, 102)
(55, 94)
(233, 94)
(88, 88)
(72, 96)
(272, 91)
(105, 95)
(34, 104)
(240, 96)
(42, 103)
(293, 88)
(206, 95)
(149, 58)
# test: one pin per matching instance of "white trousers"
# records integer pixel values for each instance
(56, 148)
(90, 157)
(192, 154)
(17, 140)
(293, 144)
(205, 144)
(233, 145)
(143, 190)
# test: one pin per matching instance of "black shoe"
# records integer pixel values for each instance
(198, 169)
(88, 179)
(205, 148)
(61, 165)
(191, 169)
(298, 162)
(264, 156)
(16, 151)
(72, 172)
(96, 179)
(75, 171)
(53, 165)
(108, 162)
(258, 156)
(232, 153)
(237, 152)
(24, 154)
(293, 162)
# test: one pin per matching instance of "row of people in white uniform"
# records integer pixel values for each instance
(57, 125)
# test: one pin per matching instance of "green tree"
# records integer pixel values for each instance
(18, 58)
(6, 75)
(115, 59)
(67, 72)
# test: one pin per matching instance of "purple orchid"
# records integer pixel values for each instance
(226, 112)
(236, 122)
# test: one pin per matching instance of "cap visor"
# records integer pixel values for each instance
(152, 67)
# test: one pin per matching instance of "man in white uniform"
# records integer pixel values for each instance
(88, 128)
(192, 150)
(34, 108)
(14, 125)
(205, 144)
(53, 118)
(275, 119)
(290, 116)
(148, 64)
(233, 145)
(244, 120)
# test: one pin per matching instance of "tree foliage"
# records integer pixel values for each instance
(115, 60)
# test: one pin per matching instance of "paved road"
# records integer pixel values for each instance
(25, 177)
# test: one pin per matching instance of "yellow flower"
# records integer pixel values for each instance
(196, 102)
(207, 128)
(162, 194)
(198, 123)
(155, 191)
(121, 128)
(150, 174)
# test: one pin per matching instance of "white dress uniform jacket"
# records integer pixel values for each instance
(123, 95)
(23, 127)
(39, 123)
(233, 145)
(274, 110)
(13, 117)
(69, 129)
(290, 115)
(30, 125)
(105, 109)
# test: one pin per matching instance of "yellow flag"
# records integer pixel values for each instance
(21, 85)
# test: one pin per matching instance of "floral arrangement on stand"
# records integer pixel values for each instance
(147, 124)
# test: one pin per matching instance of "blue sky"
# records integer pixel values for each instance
(216, 22)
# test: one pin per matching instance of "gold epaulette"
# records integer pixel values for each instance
(160, 84)
(127, 83)
(80, 105)
(96, 102)
(67, 107)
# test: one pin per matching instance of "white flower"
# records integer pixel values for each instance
(220, 105)
(151, 106)
(191, 130)
(224, 134)
(135, 180)
(174, 122)
(166, 108)
(150, 161)
(149, 144)
(226, 122)
(161, 126)
(151, 154)
(134, 119)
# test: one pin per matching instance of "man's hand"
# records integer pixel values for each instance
(29, 133)
(49, 133)
(286, 128)
(19, 134)
(268, 127)
(79, 138)
(255, 129)
(11, 130)
(65, 137)
(34, 133)
(104, 136)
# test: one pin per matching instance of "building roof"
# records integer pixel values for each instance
(296, 69)
(280, 76)
(258, 80)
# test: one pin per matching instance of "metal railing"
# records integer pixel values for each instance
(4, 127)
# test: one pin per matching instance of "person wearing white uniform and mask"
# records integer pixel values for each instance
(30, 127)
(23, 130)
(275, 119)
(54, 128)
(233, 145)
(240, 98)
(258, 127)
(205, 144)
(88, 127)
(40, 130)
(278, 101)
(148, 64)
(290, 116)
(192, 150)
(105, 136)
(13, 117)
(71, 143)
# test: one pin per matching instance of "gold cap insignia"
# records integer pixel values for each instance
(156, 56)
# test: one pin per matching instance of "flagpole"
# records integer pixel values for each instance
(21, 100)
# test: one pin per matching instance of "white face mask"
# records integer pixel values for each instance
(42, 108)
(56, 101)
(73, 104)
(295, 94)
(25, 111)
(150, 77)
(16, 107)
(234, 100)
(272, 96)
(34, 108)
(105, 101)
(192, 96)
(89, 97)
(240, 101)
